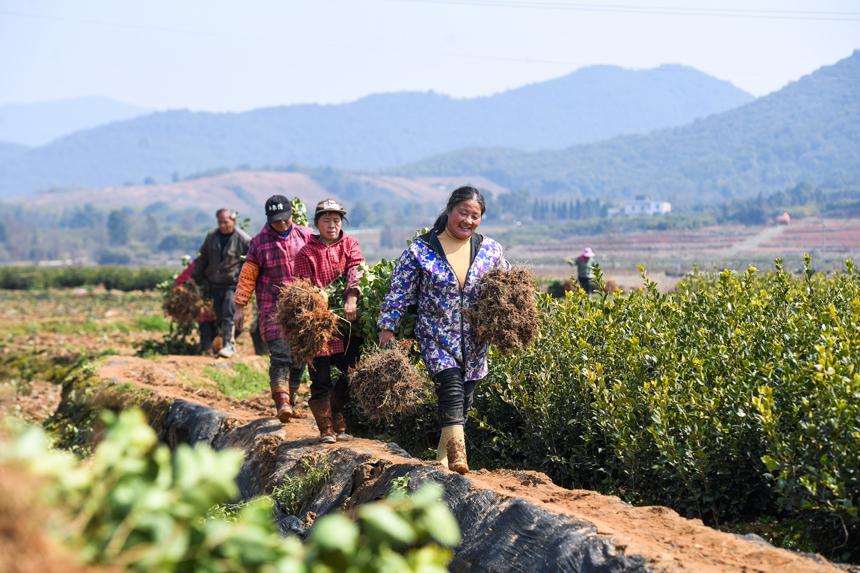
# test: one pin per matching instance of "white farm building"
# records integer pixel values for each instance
(641, 205)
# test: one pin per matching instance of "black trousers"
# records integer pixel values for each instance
(281, 367)
(454, 396)
(222, 297)
(260, 346)
(322, 386)
(207, 335)
(585, 283)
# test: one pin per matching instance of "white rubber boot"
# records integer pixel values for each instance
(442, 448)
(454, 441)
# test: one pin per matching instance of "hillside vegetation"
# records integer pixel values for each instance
(808, 131)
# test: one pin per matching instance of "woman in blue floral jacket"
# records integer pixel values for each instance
(439, 274)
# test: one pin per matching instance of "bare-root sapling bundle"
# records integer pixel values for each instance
(306, 322)
(183, 303)
(505, 314)
(385, 383)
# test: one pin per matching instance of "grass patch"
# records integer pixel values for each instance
(72, 326)
(152, 323)
(293, 495)
(239, 381)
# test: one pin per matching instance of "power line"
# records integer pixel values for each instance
(804, 15)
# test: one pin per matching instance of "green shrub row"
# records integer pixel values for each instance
(736, 397)
(111, 277)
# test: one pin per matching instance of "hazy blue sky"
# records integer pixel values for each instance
(220, 55)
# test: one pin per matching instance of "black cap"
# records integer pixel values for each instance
(278, 208)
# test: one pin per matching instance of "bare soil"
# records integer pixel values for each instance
(676, 251)
(35, 403)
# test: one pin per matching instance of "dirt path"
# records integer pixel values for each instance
(668, 542)
(753, 242)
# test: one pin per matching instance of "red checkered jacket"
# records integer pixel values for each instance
(274, 258)
(321, 264)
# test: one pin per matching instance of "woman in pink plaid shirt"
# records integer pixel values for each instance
(325, 257)
(269, 265)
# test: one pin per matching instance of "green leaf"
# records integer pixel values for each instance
(384, 522)
(335, 533)
(440, 523)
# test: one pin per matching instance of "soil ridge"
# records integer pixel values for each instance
(512, 520)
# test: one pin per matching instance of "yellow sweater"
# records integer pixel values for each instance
(457, 252)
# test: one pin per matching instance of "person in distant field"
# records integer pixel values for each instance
(585, 269)
(327, 256)
(270, 264)
(206, 318)
(219, 263)
(440, 272)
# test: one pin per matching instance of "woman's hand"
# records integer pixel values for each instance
(350, 309)
(385, 337)
(239, 318)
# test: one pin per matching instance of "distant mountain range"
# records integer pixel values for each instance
(808, 131)
(375, 132)
(40, 123)
(11, 150)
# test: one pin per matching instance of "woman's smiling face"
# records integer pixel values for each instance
(464, 218)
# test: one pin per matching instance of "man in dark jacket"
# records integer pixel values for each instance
(220, 261)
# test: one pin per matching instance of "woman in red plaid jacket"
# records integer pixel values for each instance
(325, 257)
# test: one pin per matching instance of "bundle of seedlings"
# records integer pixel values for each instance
(505, 314)
(306, 322)
(184, 303)
(385, 382)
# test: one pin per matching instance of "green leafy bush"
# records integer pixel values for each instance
(735, 397)
(137, 505)
(374, 284)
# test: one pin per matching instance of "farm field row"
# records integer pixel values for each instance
(705, 399)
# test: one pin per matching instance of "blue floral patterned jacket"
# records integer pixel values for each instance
(423, 276)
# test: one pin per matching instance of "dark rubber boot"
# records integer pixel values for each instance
(338, 403)
(285, 409)
(294, 402)
(321, 409)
